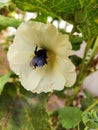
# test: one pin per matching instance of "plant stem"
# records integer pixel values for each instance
(86, 128)
(94, 51)
(70, 100)
(82, 67)
(78, 127)
(91, 106)
(82, 73)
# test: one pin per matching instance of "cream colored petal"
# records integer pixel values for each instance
(62, 40)
(62, 45)
(30, 78)
(19, 59)
(23, 39)
(70, 78)
(67, 68)
(45, 33)
(19, 55)
(51, 81)
(51, 39)
(37, 33)
(25, 35)
(22, 49)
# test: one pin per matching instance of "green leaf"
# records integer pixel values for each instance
(90, 26)
(39, 118)
(28, 94)
(41, 18)
(3, 80)
(76, 60)
(69, 117)
(56, 8)
(30, 6)
(7, 21)
(76, 41)
(34, 6)
(90, 119)
(87, 100)
(80, 15)
(2, 4)
(18, 111)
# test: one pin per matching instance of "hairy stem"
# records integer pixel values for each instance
(91, 106)
(94, 51)
(83, 65)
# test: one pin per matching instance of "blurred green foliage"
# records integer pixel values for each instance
(18, 111)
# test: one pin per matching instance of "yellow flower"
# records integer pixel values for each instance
(39, 55)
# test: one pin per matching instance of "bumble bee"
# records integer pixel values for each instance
(39, 59)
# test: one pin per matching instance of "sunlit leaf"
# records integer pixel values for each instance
(2, 4)
(69, 117)
(57, 8)
(3, 80)
(90, 27)
(29, 5)
(8, 21)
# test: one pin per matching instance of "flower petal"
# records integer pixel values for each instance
(62, 45)
(37, 33)
(19, 55)
(67, 68)
(51, 81)
(17, 63)
(30, 78)
(44, 33)
(24, 35)
(70, 79)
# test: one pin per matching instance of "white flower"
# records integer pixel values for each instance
(50, 71)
